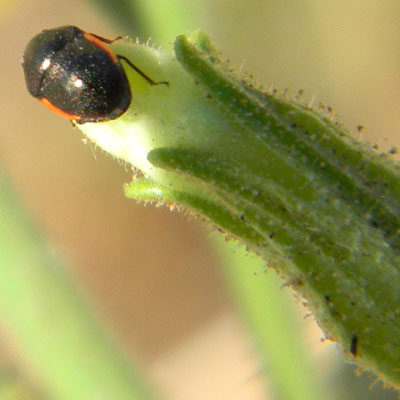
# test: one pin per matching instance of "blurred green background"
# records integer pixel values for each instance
(153, 276)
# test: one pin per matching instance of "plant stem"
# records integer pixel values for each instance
(283, 179)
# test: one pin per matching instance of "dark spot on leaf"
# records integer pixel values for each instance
(354, 345)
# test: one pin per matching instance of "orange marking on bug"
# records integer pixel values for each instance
(100, 44)
(58, 111)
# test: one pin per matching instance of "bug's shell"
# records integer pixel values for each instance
(76, 75)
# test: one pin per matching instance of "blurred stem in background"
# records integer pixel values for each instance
(54, 330)
(160, 20)
(269, 315)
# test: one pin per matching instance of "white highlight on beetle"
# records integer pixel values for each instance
(45, 64)
(78, 82)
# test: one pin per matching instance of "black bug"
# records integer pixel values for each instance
(75, 74)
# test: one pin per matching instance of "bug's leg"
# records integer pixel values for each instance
(105, 40)
(141, 73)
